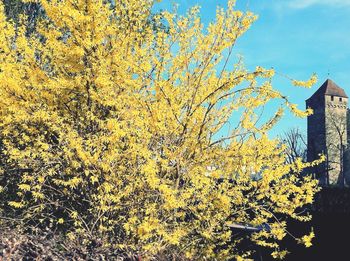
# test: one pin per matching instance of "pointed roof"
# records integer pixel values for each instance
(329, 88)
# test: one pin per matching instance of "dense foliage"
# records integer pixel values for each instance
(111, 124)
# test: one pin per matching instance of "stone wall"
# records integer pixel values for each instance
(316, 135)
(336, 137)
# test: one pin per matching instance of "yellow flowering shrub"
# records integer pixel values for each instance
(112, 124)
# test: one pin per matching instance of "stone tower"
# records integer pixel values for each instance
(327, 132)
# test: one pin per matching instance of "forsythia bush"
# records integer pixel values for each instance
(111, 125)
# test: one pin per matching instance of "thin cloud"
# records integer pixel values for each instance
(300, 4)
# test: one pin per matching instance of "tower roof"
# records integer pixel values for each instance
(329, 88)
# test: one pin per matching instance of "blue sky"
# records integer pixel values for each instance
(297, 38)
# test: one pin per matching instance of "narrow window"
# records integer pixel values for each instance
(332, 98)
(340, 99)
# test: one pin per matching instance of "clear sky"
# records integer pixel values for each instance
(296, 38)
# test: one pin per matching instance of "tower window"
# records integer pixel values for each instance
(340, 99)
(332, 98)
